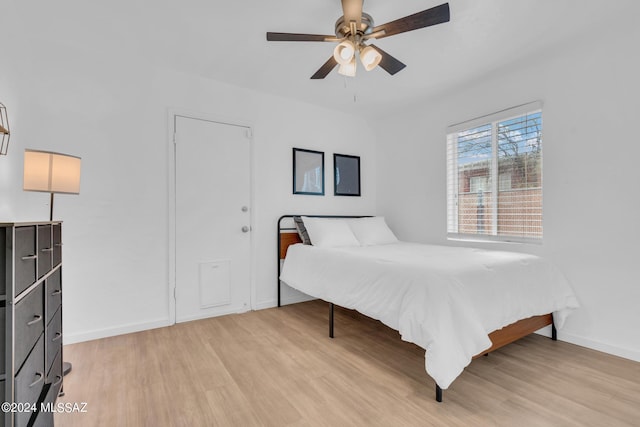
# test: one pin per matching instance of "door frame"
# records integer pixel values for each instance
(172, 115)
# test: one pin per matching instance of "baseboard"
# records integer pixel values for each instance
(160, 323)
(284, 301)
(626, 353)
(265, 304)
(110, 332)
(296, 299)
(233, 310)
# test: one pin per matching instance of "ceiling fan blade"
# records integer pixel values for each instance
(352, 11)
(388, 63)
(426, 18)
(325, 69)
(293, 37)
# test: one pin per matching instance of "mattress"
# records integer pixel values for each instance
(444, 299)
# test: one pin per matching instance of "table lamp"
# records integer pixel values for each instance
(51, 173)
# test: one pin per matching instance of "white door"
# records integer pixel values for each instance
(213, 237)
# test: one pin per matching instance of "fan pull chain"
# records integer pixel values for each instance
(346, 86)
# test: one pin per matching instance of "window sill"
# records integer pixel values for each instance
(493, 239)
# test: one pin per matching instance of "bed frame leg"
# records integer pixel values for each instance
(330, 320)
(554, 332)
(438, 393)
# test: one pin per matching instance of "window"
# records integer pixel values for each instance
(494, 176)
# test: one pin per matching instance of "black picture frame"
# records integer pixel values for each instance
(346, 175)
(308, 172)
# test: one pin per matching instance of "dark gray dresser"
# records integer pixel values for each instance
(30, 322)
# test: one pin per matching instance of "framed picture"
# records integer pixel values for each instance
(346, 175)
(308, 172)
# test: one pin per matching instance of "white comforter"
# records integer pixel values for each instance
(444, 299)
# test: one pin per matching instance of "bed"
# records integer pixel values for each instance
(457, 303)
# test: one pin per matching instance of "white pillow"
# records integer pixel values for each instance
(329, 233)
(372, 231)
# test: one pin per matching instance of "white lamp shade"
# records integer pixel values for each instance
(51, 172)
(344, 52)
(370, 58)
(348, 69)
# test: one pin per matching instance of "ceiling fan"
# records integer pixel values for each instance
(354, 28)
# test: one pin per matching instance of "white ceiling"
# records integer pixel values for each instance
(225, 41)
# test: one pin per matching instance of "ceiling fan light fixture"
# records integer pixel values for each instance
(355, 28)
(370, 58)
(344, 52)
(348, 69)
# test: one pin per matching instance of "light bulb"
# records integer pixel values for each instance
(370, 58)
(348, 69)
(344, 52)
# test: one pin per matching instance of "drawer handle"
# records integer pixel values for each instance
(59, 380)
(35, 320)
(56, 292)
(57, 337)
(58, 244)
(47, 249)
(28, 257)
(40, 378)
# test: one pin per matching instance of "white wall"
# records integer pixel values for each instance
(112, 111)
(591, 199)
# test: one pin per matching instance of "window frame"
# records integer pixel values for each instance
(452, 171)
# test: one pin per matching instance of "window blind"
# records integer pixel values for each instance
(494, 176)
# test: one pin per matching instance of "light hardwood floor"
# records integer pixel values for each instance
(277, 367)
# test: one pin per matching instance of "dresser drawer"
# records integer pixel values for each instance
(45, 249)
(57, 244)
(25, 257)
(29, 324)
(55, 374)
(54, 340)
(53, 293)
(29, 381)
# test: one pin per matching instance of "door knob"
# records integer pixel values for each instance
(245, 229)
(244, 209)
